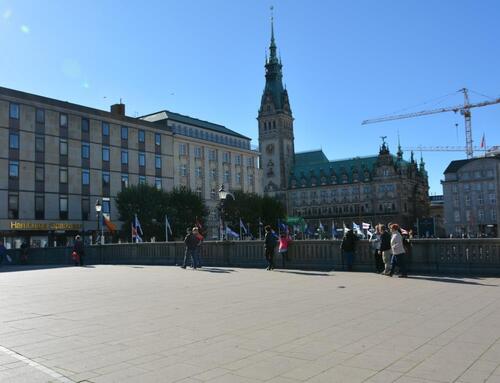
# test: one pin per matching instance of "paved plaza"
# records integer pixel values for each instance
(164, 324)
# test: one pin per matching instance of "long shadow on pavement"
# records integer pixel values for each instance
(451, 280)
(215, 270)
(309, 273)
(12, 268)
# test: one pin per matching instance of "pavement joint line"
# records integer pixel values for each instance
(54, 374)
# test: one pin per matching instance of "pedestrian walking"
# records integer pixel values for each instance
(24, 253)
(191, 242)
(348, 247)
(3, 253)
(398, 252)
(269, 247)
(79, 249)
(385, 249)
(200, 239)
(375, 244)
(284, 242)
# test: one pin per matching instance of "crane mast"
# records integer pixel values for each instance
(465, 110)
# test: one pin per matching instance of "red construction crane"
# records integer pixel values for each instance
(463, 109)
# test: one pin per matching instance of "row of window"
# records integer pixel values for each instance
(212, 155)
(476, 174)
(480, 216)
(85, 150)
(13, 207)
(387, 207)
(183, 172)
(14, 113)
(345, 192)
(63, 176)
(478, 186)
(210, 136)
(492, 199)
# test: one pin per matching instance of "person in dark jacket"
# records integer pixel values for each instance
(269, 247)
(79, 249)
(191, 241)
(385, 249)
(348, 247)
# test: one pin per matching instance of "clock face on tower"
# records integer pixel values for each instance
(270, 148)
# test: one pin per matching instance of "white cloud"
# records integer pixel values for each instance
(25, 29)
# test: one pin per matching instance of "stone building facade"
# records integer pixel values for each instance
(58, 158)
(379, 188)
(471, 194)
(375, 189)
(208, 155)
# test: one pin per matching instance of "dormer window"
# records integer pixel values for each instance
(323, 180)
(367, 176)
(344, 178)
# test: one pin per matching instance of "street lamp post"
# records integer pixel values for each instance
(98, 208)
(223, 195)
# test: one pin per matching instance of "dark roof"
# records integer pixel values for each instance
(454, 166)
(165, 114)
(77, 107)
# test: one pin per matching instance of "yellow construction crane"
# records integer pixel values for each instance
(463, 109)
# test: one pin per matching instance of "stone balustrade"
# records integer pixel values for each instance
(442, 256)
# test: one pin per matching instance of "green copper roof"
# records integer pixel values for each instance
(315, 164)
(274, 77)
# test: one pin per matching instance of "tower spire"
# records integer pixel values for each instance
(400, 151)
(272, 47)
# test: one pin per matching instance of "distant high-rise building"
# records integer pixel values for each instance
(471, 194)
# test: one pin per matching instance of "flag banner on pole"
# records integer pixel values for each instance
(321, 227)
(136, 229)
(403, 231)
(365, 226)
(242, 227)
(107, 222)
(483, 142)
(167, 225)
(355, 226)
(231, 233)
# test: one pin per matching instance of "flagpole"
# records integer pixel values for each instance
(240, 230)
(166, 229)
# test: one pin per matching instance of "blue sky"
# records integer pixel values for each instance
(344, 61)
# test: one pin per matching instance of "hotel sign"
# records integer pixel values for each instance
(43, 226)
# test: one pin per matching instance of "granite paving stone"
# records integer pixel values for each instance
(112, 323)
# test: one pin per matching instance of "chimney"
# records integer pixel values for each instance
(118, 109)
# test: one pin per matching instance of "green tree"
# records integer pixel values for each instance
(151, 205)
(251, 208)
(183, 207)
(148, 203)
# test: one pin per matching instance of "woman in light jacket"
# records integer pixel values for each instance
(398, 252)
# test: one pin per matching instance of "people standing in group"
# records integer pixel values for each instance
(269, 247)
(385, 249)
(79, 249)
(398, 252)
(375, 244)
(348, 247)
(191, 241)
(285, 240)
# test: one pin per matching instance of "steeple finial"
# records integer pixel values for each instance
(422, 163)
(400, 152)
(272, 47)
